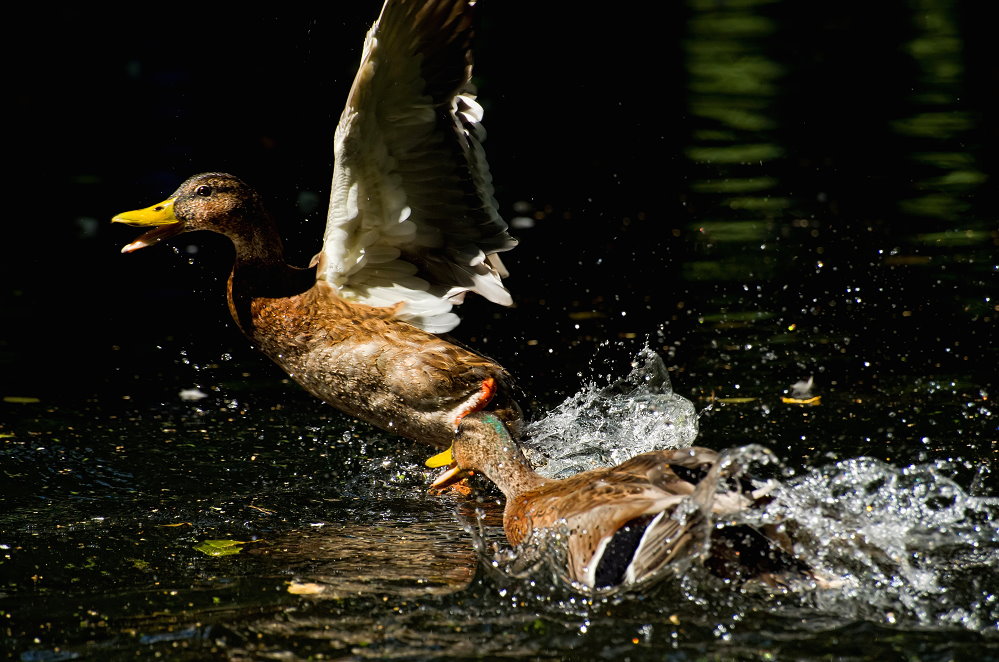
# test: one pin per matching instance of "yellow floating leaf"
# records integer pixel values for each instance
(19, 399)
(305, 588)
(736, 401)
(815, 400)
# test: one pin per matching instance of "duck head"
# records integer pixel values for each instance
(484, 445)
(210, 201)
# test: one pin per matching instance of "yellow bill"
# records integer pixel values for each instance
(441, 459)
(160, 216)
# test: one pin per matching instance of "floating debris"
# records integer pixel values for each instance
(222, 547)
(192, 394)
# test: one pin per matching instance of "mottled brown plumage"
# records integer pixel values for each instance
(624, 523)
(360, 359)
(412, 227)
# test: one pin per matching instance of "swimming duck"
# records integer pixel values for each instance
(628, 523)
(412, 227)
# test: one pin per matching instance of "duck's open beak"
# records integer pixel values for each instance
(454, 473)
(161, 216)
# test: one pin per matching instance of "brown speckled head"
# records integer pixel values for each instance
(218, 202)
(214, 201)
(484, 444)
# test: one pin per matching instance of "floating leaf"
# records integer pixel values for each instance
(19, 399)
(305, 588)
(221, 547)
(815, 400)
(192, 394)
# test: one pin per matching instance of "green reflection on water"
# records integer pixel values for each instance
(954, 237)
(934, 124)
(743, 153)
(732, 82)
(943, 193)
(736, 268)
(744, 119)
(741, 75)
(733, 231)
(938, 205)
(759, 204)
(744, 185)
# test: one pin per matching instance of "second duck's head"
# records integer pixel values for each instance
(482, 444)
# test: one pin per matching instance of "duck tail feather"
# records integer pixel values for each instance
(681, 533)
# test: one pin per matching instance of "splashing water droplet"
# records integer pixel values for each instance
(599, 427)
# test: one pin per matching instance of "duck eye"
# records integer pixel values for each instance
(203, 191)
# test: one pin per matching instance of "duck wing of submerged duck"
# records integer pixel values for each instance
(412, 218)
(628, 522)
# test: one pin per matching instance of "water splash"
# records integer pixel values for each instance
(604, 426)
(903, 543)
(898, 546)
(901, 546)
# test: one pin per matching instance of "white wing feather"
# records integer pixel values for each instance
(412, 217)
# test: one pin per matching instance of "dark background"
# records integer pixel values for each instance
(588, 112)
(761, 191)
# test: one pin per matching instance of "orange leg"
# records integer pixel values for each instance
(461, 488)
(481, 399)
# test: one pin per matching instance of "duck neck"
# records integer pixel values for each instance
(259, 271)
(258, 245)
(499, 457)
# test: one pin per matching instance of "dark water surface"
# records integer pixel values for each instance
(760, 192)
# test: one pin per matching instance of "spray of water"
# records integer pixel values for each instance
(604, 426)
(904, 543)
(895, 545)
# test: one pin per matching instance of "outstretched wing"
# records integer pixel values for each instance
(412, 216)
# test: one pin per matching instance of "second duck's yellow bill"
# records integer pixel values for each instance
(441, 459)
